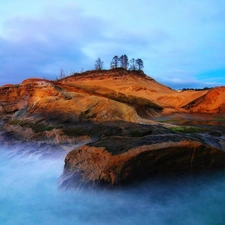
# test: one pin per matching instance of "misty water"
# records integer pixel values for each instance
(30, 195)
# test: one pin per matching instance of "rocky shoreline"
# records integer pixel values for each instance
(118, 153)
(118, 135)
(115, 161)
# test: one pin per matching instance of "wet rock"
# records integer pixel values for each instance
(215, 133)
(120, 160)
(111, 108)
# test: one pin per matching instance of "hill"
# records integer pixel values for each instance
(212, 101)
(104, 95)
(110, 116)
(133, 83)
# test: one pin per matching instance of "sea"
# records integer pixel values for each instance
(30, 194)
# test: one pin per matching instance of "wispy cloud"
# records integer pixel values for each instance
(40, 47)
(169, 34)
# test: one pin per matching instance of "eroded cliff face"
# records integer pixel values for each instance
(103, 96)
(212, 102)
(122, 160)
(40, 110)
(133, 83)
(51, 99)
(19, 100)
(109, 115)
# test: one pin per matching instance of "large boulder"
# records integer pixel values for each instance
(120, 160)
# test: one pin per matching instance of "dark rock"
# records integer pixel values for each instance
(215, 133)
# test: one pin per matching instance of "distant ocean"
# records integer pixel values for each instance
(30, 195)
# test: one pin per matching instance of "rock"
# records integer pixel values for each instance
(120, 160)
(211, 102)
(215, 133)
(113, 108)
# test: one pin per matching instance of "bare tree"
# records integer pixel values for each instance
(99, 64)
(114, 63)
(62, 74)
(133, 64)
(124, 61)
(140, 64)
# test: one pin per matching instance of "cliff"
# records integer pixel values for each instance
(122, 160)
(103, 96)
(110, 117)
(211, 102)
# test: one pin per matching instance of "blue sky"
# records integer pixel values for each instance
(180, 41)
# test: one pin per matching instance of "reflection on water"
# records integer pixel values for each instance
(29, 195)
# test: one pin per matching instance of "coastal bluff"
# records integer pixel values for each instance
(116, 161)
(122, 126)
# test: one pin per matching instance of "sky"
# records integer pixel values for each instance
(181, 42)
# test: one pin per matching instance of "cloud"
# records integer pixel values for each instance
(165, 34)
(178, 79)
(65, 38)
(40, 47)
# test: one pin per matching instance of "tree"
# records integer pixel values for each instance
(99, 64)
(114, 62)
(140, 64)
(124, 61)
(133, 64)
(62, 74)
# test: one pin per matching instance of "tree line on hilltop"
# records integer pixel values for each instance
(197, 89)
(121, 62)
(116, 62)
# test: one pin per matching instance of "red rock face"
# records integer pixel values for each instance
(212, 102)
(105, 96)
(49, 98)
(102, 163)
(100, 105)
(25, 96)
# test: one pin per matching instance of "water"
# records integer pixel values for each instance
(29, 195)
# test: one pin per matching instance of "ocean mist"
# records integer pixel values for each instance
(30, 195)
